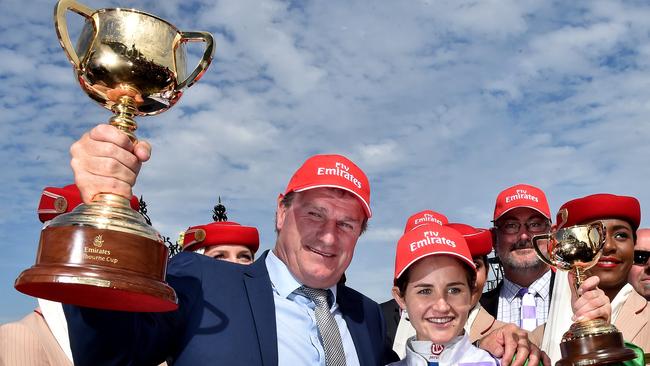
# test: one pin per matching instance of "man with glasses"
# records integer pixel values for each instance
(523, 297)
(639, 276)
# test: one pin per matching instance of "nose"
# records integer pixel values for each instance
(610, 245)
(327, 233)
(441, 305)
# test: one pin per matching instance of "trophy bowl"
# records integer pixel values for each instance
(576, 249)
(104, 254)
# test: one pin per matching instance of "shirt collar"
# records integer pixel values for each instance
(284, 283)
(540, 287)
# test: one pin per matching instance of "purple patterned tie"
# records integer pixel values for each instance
(528, 309)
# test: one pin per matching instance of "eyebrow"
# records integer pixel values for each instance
(326, 211)
(427, 285)
(619, 227)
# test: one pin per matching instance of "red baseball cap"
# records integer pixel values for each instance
(221, 233)
(56, 201)
(423, 218)
(478, 240)
(597, 207)
(521, 195)
(335, 171)
(429, 240)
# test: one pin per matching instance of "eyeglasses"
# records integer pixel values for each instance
(534, 226)
(641, 257)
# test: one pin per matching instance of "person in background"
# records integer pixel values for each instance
(223, 239)
(520, 212)
(639, 276)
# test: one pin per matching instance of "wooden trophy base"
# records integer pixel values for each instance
(99, 268)
(599, 349)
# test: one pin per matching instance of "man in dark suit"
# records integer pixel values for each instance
(271, 312)
(520, 212)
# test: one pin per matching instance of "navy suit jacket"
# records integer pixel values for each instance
(226, 316)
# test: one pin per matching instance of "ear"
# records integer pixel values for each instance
(398, 298)
(280, 214)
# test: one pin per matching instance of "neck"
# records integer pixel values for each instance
(524, 277)
(611, 292)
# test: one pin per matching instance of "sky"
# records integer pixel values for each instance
(442, 103)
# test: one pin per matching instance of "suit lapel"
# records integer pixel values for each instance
(629, 322)
(260, 298)
(355, 322)
(482, 324)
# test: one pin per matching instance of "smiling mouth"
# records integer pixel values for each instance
(326, 255)
(441, 320)
(608, 262)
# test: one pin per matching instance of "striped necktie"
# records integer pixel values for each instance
(327, 327)
(528, 320)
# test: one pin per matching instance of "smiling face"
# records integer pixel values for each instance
(317, 234)
(231, 253)
(437, 298)
(616, 260)
(515, 249)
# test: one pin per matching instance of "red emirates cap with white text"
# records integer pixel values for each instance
(478, 240)
(334, 171)
(56, 201)
(424, 218)
(221, 233)
(521, 195)
(429, 240)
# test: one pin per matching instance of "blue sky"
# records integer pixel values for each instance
(442, 103)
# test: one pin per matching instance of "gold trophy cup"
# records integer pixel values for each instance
(103, 254)
(576, 249)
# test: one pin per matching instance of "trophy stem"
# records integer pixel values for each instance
(580, 277)
(125, 109)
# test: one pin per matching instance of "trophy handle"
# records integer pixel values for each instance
(205, 60)
(602, 235)
(62, 26)
(541, 255)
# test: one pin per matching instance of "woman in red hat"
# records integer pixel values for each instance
(223, 240)
(621, 216)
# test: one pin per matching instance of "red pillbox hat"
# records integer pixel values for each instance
(56, 201)
(478, 240)
(334, 171)
(430, 240)
(598, 207)
(423, 218)
(521, 195)
(221, 233)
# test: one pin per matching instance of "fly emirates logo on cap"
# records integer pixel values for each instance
(428, 218)
(521, 194)
(339, 170)
(428, 240)
(431, 238)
